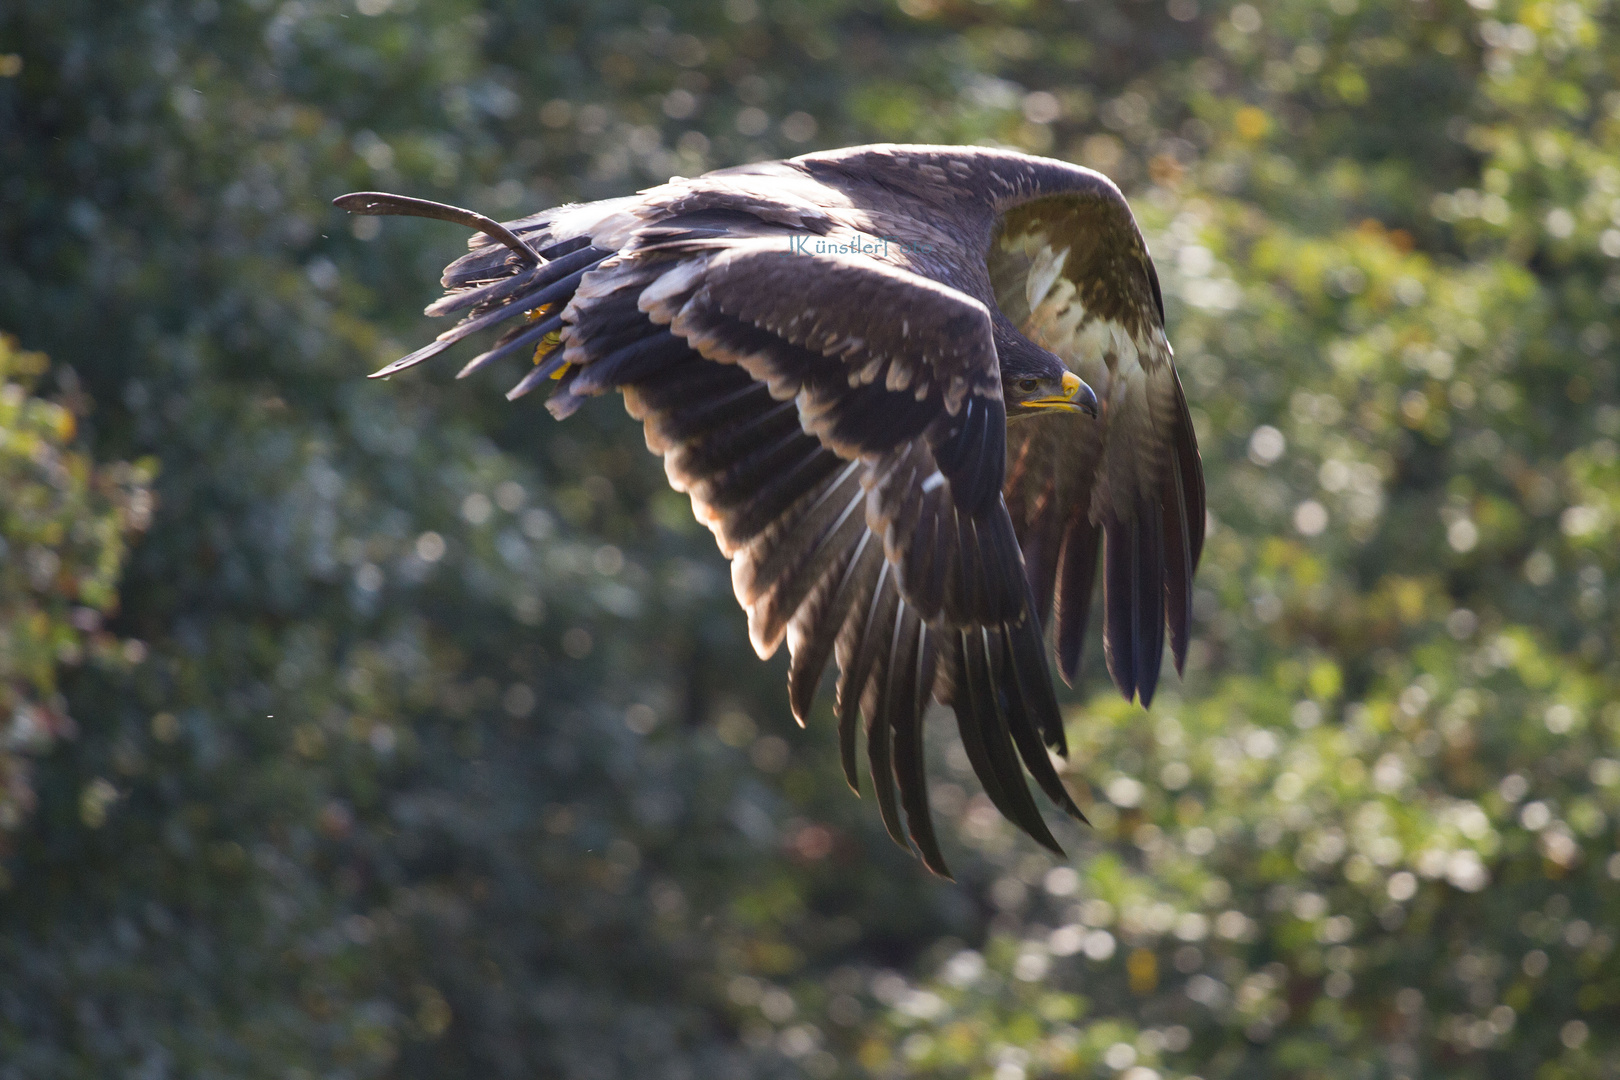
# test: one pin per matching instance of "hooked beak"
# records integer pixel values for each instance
(1076, 396)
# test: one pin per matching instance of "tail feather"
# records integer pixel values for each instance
(512, 343)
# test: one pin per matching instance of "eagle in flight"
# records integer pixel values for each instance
(915, 392)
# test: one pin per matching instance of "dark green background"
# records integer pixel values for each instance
(531, 808)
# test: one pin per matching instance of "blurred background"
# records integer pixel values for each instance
(358, 729)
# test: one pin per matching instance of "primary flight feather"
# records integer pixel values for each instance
(916, 392)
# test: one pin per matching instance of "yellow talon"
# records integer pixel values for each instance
(560, 372)
(538, 313)
(547, 345)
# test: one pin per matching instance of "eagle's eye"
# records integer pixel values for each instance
(1028, 386)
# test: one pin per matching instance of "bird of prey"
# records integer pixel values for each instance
(915, 392)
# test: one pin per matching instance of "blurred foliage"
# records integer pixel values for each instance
(445, 755)
(64, 526)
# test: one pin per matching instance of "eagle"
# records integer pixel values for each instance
(916, 393)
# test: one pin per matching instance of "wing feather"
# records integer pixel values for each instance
(1031, 703)
(774, 574)
(855, 661)
(816, 626)
(882, 698)
(1073, 598)
(1072, 271)
(912, 677)
(984, 728)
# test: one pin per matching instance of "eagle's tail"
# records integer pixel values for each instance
(524, 270)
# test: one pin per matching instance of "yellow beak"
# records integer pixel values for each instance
(1076, 396)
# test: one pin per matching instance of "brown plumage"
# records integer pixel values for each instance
(861, 366)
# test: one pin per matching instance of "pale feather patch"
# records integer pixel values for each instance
(1124, 347)
(608, 276)
(867, 374)
(1085, 345)
(1044, 269)
(1056, 322)
(1060, 314)
(796, 638)
(608, 222)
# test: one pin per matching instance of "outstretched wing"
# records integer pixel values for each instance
(1073, 273)
(838, 425)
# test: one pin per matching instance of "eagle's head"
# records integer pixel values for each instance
(1034, 381)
